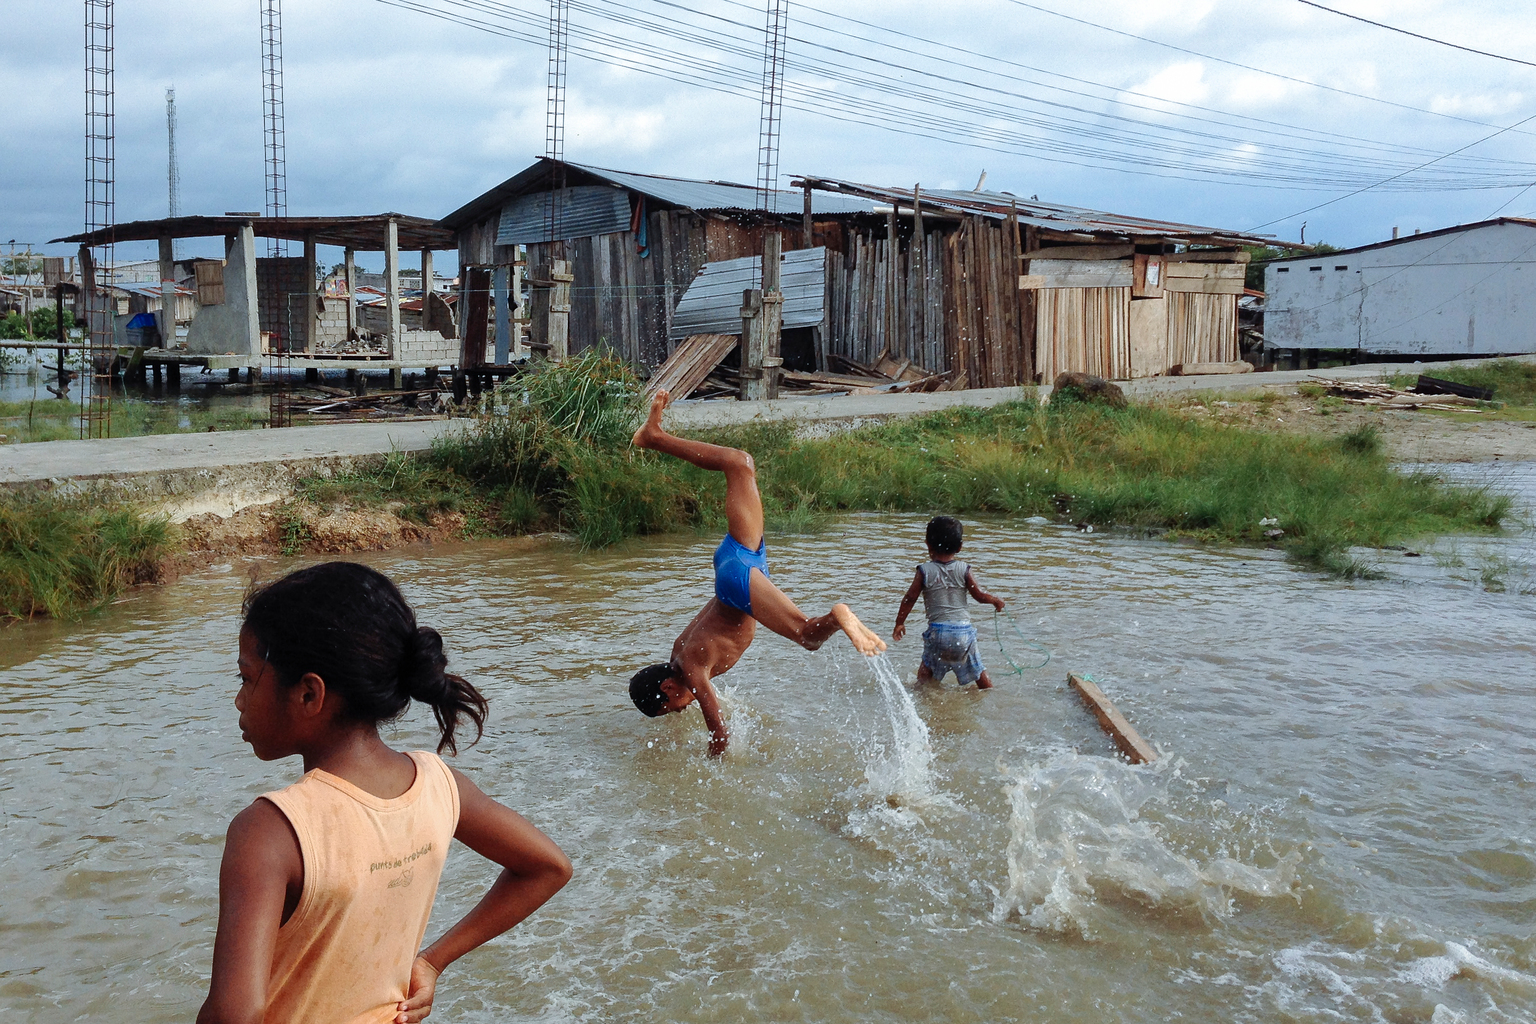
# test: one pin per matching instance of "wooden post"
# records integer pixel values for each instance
(426, 289)
(752, 389)
(392, 281)
(560, 309)
(351, 272)
(772, 320)
(807, 227)
(310, 332)
(1112, 721)
(919, 253)
(892, 321)
(519, 335)
(167, 293)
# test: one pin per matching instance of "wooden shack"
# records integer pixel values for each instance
(999, 291)
(635, 242)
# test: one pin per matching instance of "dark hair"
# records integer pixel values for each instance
(351, 626)
(645, 689)
(944, 535)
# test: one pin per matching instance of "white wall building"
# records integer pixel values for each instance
(1466, 290)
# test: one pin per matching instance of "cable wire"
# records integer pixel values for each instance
(1416, 35)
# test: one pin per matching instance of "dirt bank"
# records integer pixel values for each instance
(1409, 436)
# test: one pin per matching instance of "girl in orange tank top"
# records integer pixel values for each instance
(327, 885)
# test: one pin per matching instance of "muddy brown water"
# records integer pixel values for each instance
(1341, 827)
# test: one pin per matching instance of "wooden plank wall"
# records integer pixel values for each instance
(622, 301)
(1202, 328)
(957, 308)
(1084, 329)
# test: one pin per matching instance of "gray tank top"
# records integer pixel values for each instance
(944, 593)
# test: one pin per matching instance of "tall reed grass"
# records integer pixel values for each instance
(553, 451)
(65, 556)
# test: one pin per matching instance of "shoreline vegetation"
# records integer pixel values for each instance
(551, 452)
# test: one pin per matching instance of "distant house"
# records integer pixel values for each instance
(987, 287)
(635, 243)
(1468, 290)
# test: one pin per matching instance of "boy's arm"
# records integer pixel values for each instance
(979, 594)
(907, 601)
(261, 862)
(709, 704)
(533, 870)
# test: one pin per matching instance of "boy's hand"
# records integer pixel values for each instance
(900, 631)
(998, 603)
(718, 742)
(418, 1002)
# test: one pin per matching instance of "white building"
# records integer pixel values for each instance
(1466, 290)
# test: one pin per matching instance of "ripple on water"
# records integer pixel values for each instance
(1333, 753)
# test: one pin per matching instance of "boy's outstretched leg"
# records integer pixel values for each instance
(773, 608)
(743, 505)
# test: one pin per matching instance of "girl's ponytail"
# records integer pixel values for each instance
(350, 625)
(424, 676)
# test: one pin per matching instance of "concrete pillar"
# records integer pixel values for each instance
(351, 272)
(392, 281)
(233, 326)
(310, 323)
(499, 286)
(167, 293)
(426, 289)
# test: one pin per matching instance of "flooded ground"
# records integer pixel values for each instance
(1342, 828)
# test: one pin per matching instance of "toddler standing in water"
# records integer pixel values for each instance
(949, 642)
(327, 885)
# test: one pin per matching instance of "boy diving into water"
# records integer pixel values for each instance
(744, 596)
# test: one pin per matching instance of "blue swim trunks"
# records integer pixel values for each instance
(733, 572)
(951, 647)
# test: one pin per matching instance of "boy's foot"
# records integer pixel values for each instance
(652, 425)
(864, 640)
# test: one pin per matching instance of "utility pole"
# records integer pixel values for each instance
(554, 290)
(762, 308)
(100, 216)
(274, 140)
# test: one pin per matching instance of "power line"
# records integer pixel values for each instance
(1416, 35)
(1249, 67)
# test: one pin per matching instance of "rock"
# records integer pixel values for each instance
(1084, 387)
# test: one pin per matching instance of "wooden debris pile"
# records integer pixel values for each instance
(1384, 396)
(700, 368)
(339, 405)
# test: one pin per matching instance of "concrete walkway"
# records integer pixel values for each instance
(185, 474)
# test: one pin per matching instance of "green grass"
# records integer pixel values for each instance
(558, 456)
(1513, 382)
(65, 556)
(57, 419)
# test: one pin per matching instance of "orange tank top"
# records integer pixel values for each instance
(370, 874)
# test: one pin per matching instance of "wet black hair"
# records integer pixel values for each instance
(944, 535)
(645, 689)
(351, 626)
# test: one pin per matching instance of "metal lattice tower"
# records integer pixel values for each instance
(772, 103)
(274, 142)
(100, 213)
(172, 172)
(554, 116)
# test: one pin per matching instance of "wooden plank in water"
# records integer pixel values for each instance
(1126, 738)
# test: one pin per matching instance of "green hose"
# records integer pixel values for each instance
(1023, 641)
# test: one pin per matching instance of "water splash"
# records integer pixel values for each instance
(898, 765)
(1076, 834)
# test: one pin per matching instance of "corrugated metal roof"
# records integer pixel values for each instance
(585, 210)
(725, 195)
(686, 192)
(1048, 216)
(712, 303)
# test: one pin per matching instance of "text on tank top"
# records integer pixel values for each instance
(944, 591)
(371, 868)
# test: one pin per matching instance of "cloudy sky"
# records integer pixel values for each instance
(1235, 113)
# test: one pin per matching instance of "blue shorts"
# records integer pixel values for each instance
(951, 647)
(733, 572)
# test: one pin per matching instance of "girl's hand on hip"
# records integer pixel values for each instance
(418, 1001)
